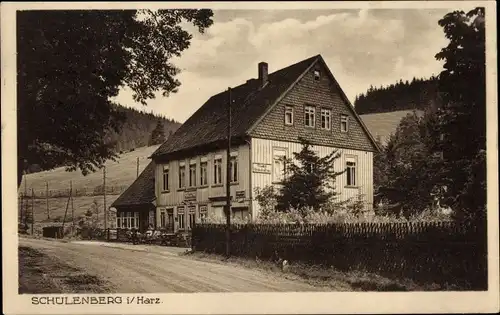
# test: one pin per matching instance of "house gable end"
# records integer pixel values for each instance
(321, 93)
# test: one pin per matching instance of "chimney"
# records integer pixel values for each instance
(263, 73)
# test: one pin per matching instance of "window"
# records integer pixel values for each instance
(351, 171)
(309, 116)
(316, 75)
(218, 171)
(203, 173)
(344, 123)
(192, 175)
(233, 169)
(180, 218)
(326, 119)
(279, 156)
(191, 217)
(182, 176)
(203, 213)
(288, 115)
(127, 220)
(165, 179)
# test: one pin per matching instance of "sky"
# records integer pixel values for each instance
(361, 48)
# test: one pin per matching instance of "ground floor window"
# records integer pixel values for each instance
(181, 218)
(203, 210)
(127, 220)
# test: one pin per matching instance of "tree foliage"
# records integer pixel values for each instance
(406, 183)
(72, 63)
(158, 134)
(417, 94)
(442, 155)
(309, 180)
(462, 118)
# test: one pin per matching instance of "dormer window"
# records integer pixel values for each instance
(317, 75)
(288, 115)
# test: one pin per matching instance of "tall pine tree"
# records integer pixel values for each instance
(309, 180)
(462, 84)
(158, 134)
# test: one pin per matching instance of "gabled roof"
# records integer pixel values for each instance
(142, 190)
(251, 102)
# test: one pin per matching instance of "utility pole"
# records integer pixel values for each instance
(104, 189)
(72, 206)
(137, 166)
(228, 178)
(47, 198)
(32, 209)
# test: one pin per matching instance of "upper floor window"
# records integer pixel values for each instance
(204, 173)
(218, 170)
(288, 115)
(326, 119)
(317, 75)
(182, 176)
(309, 116)
(233, 167)
(344, 123)
(351, 171)
(166, 179)
(192, 175)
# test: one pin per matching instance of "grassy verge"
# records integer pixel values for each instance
(323, 276)
(39, 273)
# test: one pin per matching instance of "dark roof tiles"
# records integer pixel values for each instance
(142, 190)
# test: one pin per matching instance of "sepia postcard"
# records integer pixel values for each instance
(249, 157)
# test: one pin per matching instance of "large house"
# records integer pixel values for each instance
(269, 115)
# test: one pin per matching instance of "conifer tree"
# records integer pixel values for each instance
(309, 180)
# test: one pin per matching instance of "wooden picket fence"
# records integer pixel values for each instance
(439, 252)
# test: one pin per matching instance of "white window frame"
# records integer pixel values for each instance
(203, 213)
(192, 174)
(317, 75)
(181, 218)
(326, 117)
(124, 220)
(344, 119)
(166, 179)
(351, 171)
(278, 155)
(233, 170)
(289, 113)
(204, 173)
(309, 116)
(182, 176)
(217, 179)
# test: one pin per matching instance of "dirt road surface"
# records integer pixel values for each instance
(149, 269)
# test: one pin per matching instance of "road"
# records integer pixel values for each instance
(152, 269)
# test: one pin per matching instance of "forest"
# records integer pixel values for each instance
(416, 94)
(137, 129)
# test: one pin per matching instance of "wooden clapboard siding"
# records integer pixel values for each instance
(262, 152)
(175, 196)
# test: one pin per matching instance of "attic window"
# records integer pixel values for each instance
(344, 123)
(316, 75)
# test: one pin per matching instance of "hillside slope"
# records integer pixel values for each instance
(118, 174)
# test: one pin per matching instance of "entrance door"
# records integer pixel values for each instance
(170, 220)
